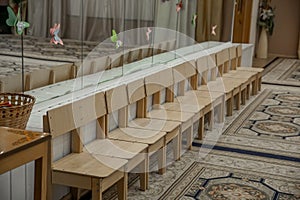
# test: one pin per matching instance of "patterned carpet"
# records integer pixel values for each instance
(40, 48)
(284, 72)
(249, 161)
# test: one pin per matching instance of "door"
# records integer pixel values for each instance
(242, 21)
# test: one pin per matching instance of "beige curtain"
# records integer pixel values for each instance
(90, 20)
(209, 14)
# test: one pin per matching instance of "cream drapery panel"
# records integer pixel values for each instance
(94, 19)
(88, 19)
(209, 14)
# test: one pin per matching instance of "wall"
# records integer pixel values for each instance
(285, 38)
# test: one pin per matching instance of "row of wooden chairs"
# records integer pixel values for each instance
(150, 113)
(95, 65)
(38, 78)
(50, 75)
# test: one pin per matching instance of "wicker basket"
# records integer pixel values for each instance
(17, 111)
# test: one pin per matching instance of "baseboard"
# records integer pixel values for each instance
(282, 56)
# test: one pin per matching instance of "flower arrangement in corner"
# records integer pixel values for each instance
(266, 16)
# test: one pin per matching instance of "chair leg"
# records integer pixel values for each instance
(259, 84)
(211, 120)
(201, 128)
(122, 187)
(190, 137)
(248, 92)
(176, 147)
(238, 101)
(244, 96)
(229, 106)
(221, 112)
(162, 160)
(96, 189)
(75, 193)
(143, 173)
(254, 87)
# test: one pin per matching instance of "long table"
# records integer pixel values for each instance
(63, 92)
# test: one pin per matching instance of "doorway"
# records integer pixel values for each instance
(242, 21)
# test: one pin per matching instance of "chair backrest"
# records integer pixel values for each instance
(226, 58)
(63, 72)
(171, 45)
(157, 48)
(115, 60)
(136, 90)
(203, 69)
(157, 82)
(134, 55)
(38, 78)
(212, 66)
(100, 64)
(145, 52)
(72, 117)
(233, 57)
(222, 59)
(239, 53)
(185, 73)
(12, 83)
(137, 94)
(117, 100)
(164, 46)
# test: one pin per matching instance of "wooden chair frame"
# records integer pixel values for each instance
(117, 101)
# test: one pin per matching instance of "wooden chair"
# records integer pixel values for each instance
(160, 82)
(134, 55)
(119, 59)
(236, 62)
(100, 64)
(171, 45)
(117, 102)
(38, 78)
(12, 83)
(47, 76)
(145, 52)
(241, 79)
(137, 99)
(206, 101)
(210, 83)
(164, 46)
(231, 57)
(157, 48)
(80, 169)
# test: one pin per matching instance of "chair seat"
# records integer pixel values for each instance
(181, 107)
(205, 94)
(154, 124)
(136, 135)
(251, 69)
(194, 101)
(86, 164)
(170, 115)
(220, 86)
(115, 148)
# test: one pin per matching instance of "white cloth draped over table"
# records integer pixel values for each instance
(94, 19)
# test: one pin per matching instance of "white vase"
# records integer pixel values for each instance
(262, 48)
